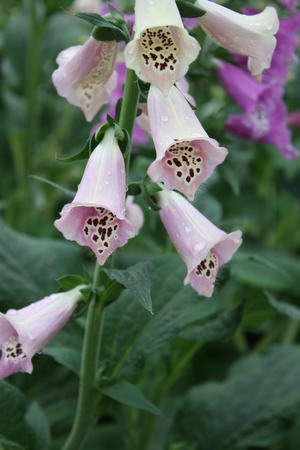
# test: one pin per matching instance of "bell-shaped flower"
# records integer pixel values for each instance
(203, 247)
(252, 36)
(162, 49)
(86, 76)
(185, 155)
(24, 332)
(99, 217)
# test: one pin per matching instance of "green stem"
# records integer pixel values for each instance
(291, 332)
(88, 400)
(129, 107)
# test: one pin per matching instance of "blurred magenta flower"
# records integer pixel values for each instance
(86, 76)
(252, 36)
(162, 49)
(185, 155)
(24, 332)
(290, 5)
(99, 216)
(265, 116)
(203, 247)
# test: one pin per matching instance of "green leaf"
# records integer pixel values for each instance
(188, 9)
(252, 408)
(66, 346)
(130, 395)
(285, 308)
(13, 424)
(84, 153)
(30, 266)
(66, 191)
(9, 445)
(137, 280)
(105, 29)
(38, 422)
(217, 328)
(69, 282)
(130, 334)
(267, 269)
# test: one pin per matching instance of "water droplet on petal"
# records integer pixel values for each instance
(106, 182)
(188, 229)
(199, 247)
(164, 119)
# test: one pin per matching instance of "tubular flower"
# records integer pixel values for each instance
(252, 36)
(26, 331)
(162, 49)
(185, 155)
(203, 247)
(99, 217)
(86, 76)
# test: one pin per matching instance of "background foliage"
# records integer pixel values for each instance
(198, 374)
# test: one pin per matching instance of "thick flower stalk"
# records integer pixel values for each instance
(185, 155)
(252, 36)
(203, 247)
(162, 49)
(99, 216)
(24, 332)
(86, 76)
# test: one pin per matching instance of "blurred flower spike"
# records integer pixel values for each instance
(99, 216)
(162, 49)
(24, 332)
(87, 85)
(251, 36)
(203, 247)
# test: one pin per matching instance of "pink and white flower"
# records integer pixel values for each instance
(24, 332)
(86, 76)
(99, 216)
(203, 247)
(185, 155)
(162, 49)
(251, 36)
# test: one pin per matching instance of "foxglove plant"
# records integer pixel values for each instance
(86, 76)
(252, 36)
(162, 49)
(265, 116)
(99, 216)
(186, 155)
(24, 332)
(203, 247)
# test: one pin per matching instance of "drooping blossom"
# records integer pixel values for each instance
(252, 36)
(87, 6)
(185, 155)
(99, 216)
(85, 76)
(162, 49)
(26, 331)
(203, 247)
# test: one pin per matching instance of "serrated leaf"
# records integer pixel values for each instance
(252, 408)
(130, 395)
(30, 266)
(137, 280)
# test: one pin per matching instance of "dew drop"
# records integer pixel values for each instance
(164, 119)
(106, 182)
(187, 229)
(198, 247)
